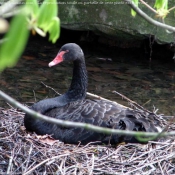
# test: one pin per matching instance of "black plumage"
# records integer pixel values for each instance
(73, 106)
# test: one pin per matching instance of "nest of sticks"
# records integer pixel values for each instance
(25, 153)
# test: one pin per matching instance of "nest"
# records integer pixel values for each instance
(25, 153)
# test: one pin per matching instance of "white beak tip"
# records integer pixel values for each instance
(51, 64)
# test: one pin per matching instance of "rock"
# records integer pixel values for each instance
(113, 19)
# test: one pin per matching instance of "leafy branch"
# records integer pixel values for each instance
(149, 19)
(161, 6)
(30, 17)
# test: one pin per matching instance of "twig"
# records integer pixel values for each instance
(50, 88)
(34, 95)
(49, 159)
(28, 159)
(146, 103)
(132, 102)
(10, 105)
(92, 168)
(10, 164)
(160, 167)
(143, 2)
(172, 8)
(89, 144)
(162, 143)
(148, 164)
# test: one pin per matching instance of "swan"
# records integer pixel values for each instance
(73, 106)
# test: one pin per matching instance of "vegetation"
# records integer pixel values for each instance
(160, 5)
(30, 17)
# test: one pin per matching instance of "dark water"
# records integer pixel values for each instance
(148, 82)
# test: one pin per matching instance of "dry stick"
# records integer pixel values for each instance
(149, 19)
(50, 88)
(150, 151)
(10, 105)
(172, 8)
(49, 159)
(105, 157)
(143, 2)
(28, 159)
(133, 102)
(60, 167)
(87, 144)
(34, 95)
(162, 143)
(92, 168)
(160, 167)
(10, 164)
(148, 164)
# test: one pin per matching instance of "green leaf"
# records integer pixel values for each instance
(162, 8)
(54, 30)
(47, 11)
(47, 19)
(15, 42)
(133, 13)
(33, 7)
(161, 4)
(136, 2)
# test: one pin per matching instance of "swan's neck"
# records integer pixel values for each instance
(78, 87)
(77, 90)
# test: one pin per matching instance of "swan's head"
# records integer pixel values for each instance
(68, 52)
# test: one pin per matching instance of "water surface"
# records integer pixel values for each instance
(149, 83)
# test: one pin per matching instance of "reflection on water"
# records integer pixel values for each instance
(149, 84)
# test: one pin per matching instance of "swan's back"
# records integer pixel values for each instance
(99, 113)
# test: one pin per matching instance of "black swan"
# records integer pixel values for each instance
(73, 106)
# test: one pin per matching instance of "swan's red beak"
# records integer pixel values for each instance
(58, 59)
